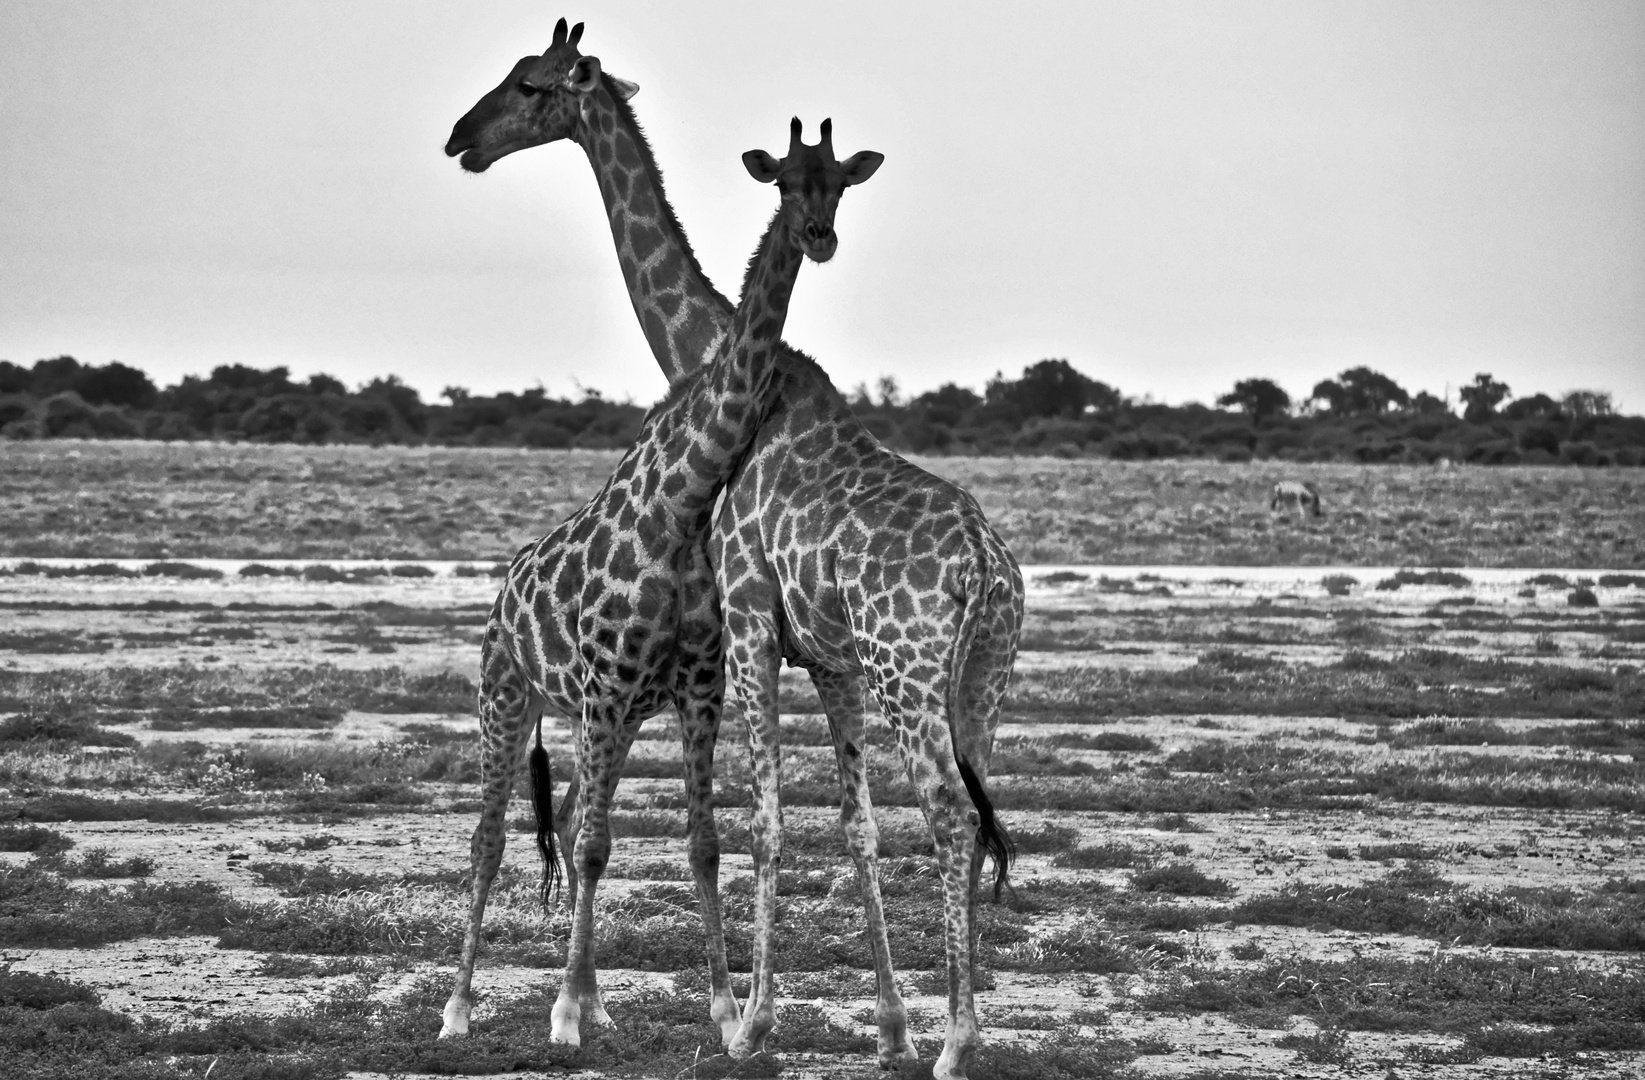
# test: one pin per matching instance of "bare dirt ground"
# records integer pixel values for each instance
(1578, 837)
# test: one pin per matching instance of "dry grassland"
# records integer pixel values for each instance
(152, 500)
(1271, 824)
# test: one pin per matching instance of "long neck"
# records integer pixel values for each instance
(681, 313)
(707, 424)
(757, 324)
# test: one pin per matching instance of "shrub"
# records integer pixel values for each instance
(1447, 578)
(263, 570)
(188, 571)
(1101, 857)
(33, 838)
(1583, 597)
(410, 570)
(1180, 879)
(1339, 584)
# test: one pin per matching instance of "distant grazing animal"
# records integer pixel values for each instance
(1299, 493)
(884, 582)
(614, 616)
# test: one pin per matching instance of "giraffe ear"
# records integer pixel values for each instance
(584, 76)
(861, 165)
(623, 87)
(761, 166)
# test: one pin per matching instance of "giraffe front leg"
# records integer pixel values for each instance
(841, 697)
(507, 715)
(753, 670)
(699, 723)
(699, 695)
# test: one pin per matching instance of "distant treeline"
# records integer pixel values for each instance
(1361, 415)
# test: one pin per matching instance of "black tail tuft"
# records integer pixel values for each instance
(542, 801)
(991, 835)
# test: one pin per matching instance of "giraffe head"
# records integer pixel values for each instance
(810, 181)
(544, 98)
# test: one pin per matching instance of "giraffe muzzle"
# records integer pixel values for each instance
(819, 241)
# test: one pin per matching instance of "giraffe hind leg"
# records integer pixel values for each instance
(508, 712)
(944, 797)
(841, 697)
(606, 736)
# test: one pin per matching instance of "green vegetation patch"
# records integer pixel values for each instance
(73, 806)
(1448, 578)
(1446, 993)
(97, 570)
(1416, 683)
(35, 838)
(1180, 879)
(59, 727)
(1416, 900)
(311, 717)
(38, 908)
(321, 686)
(184, 570)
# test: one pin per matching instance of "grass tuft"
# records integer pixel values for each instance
(1180, 879)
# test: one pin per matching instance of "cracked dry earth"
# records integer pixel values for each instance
(1207, 855)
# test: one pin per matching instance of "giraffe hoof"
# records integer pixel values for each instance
(741, 1047)
(890, 1058)
(455, 1020)
(951, 1066)
(728, 1032)
(564, 1024)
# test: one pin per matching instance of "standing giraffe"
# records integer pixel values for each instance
(832, 552)
(614, 614)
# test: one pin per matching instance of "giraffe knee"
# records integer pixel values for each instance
(592, 856)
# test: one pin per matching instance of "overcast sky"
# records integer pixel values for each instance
(1170, 195)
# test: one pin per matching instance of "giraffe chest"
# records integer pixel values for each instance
(579, 630)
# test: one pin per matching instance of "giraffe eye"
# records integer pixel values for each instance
(527, 90)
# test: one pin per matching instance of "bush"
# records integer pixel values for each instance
(1180, 879)
(1339, 584)
(1447, 578)
(1583, 597)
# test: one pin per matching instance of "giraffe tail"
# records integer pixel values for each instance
(991, 834)
(542, 801)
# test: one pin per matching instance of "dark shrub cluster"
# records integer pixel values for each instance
(1052, 408)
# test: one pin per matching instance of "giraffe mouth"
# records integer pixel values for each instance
(477, 159)
(820, 251)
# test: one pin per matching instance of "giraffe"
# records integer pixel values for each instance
(1301, 494)
(832, 553)
(614, 614)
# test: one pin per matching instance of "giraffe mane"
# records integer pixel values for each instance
(648, 161)
(753, 260)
